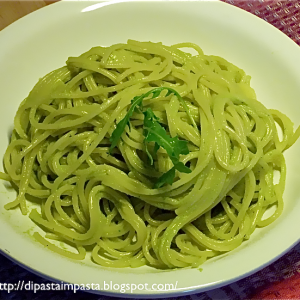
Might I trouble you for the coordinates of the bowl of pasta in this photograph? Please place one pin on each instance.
(149, 148)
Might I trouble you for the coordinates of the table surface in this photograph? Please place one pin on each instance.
(280, 280)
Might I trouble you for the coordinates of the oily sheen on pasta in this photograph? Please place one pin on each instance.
(105, 199)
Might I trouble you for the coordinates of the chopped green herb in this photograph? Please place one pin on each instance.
(156, 133)
(167, 177)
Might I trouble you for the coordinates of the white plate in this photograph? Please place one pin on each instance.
(42, 41)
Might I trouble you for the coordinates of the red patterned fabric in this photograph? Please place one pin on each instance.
(285, 15)
(286, 289)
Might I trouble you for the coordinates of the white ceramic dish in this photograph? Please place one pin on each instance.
(42, 41)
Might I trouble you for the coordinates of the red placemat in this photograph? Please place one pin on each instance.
(285, 15)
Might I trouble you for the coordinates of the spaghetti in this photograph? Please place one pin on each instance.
(94, 197)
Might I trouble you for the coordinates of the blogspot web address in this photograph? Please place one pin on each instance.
(22, 285)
